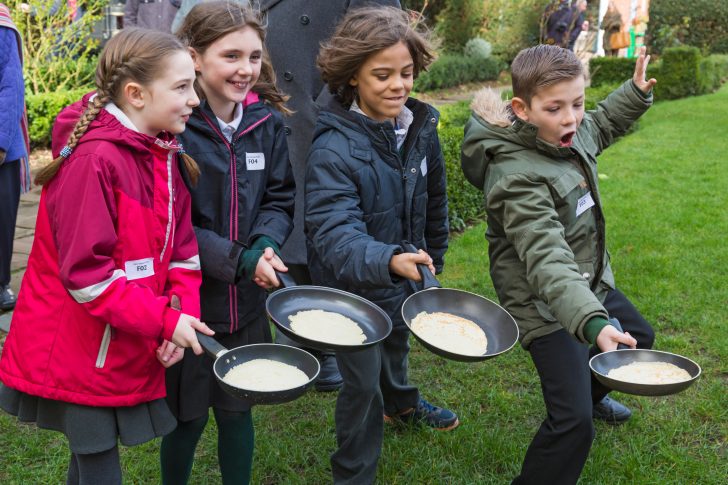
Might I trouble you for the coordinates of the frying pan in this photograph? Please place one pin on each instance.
(283, 303)
(602, 363)
(499, 326)
(225, 359)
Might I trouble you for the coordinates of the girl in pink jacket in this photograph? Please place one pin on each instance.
(112, 284)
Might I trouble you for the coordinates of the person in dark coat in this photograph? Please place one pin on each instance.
(296, 29)
(151, 14)
(14, 146)
(375, 177)
(562, 22)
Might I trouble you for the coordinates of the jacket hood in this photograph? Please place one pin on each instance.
(493, 130)
(105, 127)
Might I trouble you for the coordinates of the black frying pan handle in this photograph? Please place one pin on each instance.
(615, 323)
(211, 346)
(286, 279)
(428, 279)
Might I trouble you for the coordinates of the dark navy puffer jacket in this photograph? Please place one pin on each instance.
(246, 190)
(363, 198)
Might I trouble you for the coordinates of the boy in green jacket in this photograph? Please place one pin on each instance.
(535, 160)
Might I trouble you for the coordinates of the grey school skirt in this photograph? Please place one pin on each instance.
(91, 429)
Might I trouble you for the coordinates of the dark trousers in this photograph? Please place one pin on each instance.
(375, 382)
(560, 448)
(9, 201)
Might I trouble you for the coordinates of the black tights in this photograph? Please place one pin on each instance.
(235, 442)
(95, 468)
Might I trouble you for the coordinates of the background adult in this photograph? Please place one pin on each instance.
(296, 29)
(611, 24)
(151, 14)
(14, 146)
(562, 22)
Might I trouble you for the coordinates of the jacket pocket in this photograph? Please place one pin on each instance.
(104, 347)
(569, 187)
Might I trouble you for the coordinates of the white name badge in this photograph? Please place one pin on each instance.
(423, 166)
(585, 202)
(255, 161)
(140, 268)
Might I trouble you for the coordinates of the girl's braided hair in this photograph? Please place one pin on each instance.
(210, 21)
(132, 55)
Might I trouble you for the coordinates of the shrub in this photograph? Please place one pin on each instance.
(478, 48)
(700, 23)
(451, 70)
(595, 94)
(610, 70)
(458, 22)
(465, 202)
(713, 71)
(679, 74)
(42, 111)
(511, 25)
(59, 53)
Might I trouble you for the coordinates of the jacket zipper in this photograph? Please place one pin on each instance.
(599, 221)
(170, 212)
(232, 289)
(104, 347)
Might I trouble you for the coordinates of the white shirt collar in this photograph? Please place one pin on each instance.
(229, 128)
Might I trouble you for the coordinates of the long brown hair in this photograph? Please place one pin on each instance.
(362, 33)
(131, 55)
(209, 21)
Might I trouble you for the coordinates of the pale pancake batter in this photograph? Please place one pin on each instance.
(450, 332)
(265, 375)
(649, 373)
(328, 327)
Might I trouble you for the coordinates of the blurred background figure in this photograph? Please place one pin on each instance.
(151, 14)
(611, 24)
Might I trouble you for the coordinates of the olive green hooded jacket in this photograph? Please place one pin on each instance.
(546, 233)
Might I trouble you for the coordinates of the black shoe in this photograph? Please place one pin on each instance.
(7, 298)
(611, 411)
(329, 378)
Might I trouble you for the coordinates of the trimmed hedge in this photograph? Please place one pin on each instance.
(454, 69)
(684, 72)
(700, 23)
(465, 202)
(42, 111)
(616, 70)
(610, 70)
(681, 72)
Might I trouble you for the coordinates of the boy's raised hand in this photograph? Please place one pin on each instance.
(405, 264)
(640, 72)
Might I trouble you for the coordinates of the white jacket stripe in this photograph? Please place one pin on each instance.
(192, 264)
(85, 295)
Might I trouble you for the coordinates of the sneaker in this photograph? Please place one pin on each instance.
(435, 417)
(329, 378)
(7, 298)
(611, 411)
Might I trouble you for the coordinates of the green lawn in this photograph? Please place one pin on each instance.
(665, 195)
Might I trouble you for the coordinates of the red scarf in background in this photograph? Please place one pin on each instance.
(7, 21)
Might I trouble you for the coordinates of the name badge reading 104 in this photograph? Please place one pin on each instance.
(585, 202)
(139, 268)
(255, 161)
